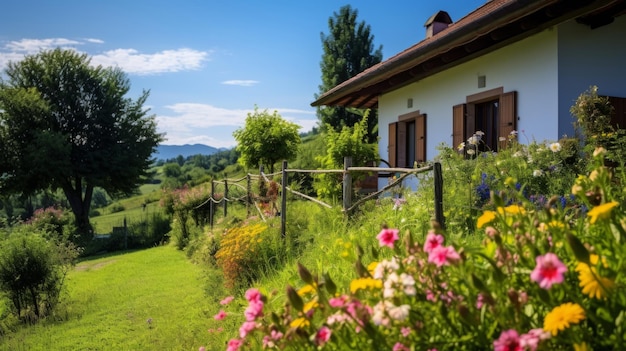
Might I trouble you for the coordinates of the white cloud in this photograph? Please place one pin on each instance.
(133, 62)
(243, 83)
(94, 40)
(31, 46)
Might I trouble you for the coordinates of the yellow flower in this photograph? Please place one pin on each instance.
(562, 316)
(602, 211)
(307, 289)
(512, 209)
(486, 218)
(593, 285)
(581, 347)
(365, 283)
(372, 267)
(300, 323)
(310, 305)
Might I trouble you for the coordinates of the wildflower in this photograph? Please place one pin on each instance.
(399, 313)
(322, 336)
(372, 267)
(338, 302)
(254, 310)
(537, 173)
(433, 241)
(387, 237)
(365, 283)
(512, 209)
(474, 139)
(508, 341)
(227, 300)
(471, 152)
(549, 270)
(581, 347)
(513, 133)
(202, 348)
(530, 341)
(299, 323)
(400, 347)
(443, 255)
(234, 344)
(501, 139)
(253, 294)
(602, 211)
(555, 147)
(220, 315)
(310, 305)
(461, 146)
(486, 218)
(307, 289)
(562, 316)
(480, 133)
(246, 328)
(599, 151)
(593, 284)
(405, 331)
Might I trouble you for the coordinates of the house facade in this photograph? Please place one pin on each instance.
(508, 65)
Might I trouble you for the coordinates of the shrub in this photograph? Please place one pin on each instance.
(32, 270)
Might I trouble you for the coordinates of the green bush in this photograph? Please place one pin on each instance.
(32, 270)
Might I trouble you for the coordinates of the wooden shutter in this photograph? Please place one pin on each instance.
(420, 139)
(392, 145)
(458, 124)
(618, 119)
(508, 114)
(401, 145)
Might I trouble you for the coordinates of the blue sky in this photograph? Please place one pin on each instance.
(207, 63)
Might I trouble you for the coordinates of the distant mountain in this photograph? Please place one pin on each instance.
(166, 152)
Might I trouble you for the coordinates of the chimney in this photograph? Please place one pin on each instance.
(436, 23)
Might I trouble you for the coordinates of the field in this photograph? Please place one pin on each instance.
(145, 300)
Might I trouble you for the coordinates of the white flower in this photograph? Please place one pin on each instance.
(555, 147)
(502, 138)
(471, 152)
(537, 173)
(599, 151)
(461, 146)
(518, 154)
(480, 133)
(474, 139)
(513, 133)
(399, 313)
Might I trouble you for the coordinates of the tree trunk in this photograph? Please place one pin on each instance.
(80, 207)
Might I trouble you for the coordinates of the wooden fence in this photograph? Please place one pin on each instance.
(347, 205)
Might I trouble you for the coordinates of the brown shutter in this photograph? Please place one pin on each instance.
(458, 124)
(401, 145)
(391, 147)
(508, 114)
(420, 139)
(618, 119)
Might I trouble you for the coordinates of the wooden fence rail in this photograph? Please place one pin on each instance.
(348, 206)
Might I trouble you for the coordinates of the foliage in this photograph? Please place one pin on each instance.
(54, 222)
(32, 271)
(351, 141)
(348, 50)
(188, 206)
(266, 139)
(68, 125)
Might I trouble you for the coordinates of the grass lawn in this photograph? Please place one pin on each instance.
(144, 300)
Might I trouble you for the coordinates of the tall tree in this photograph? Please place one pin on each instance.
(65, 124)
(348, 50)
(266, 139)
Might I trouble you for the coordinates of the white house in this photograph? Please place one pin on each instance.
(508, 65)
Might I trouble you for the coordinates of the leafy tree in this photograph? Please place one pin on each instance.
(348, 50)
(65, 124)
(266, 138)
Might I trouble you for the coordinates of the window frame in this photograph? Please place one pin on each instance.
(398, 145)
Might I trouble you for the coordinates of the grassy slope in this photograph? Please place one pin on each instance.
(111, 298)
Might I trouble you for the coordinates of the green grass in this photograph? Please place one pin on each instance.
(104, 224)
(111, 298)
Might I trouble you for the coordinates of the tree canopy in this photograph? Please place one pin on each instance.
(66, 124)
(266, 139)
(348, 50)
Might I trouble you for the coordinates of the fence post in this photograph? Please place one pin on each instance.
(439, 195)
(283, 203)
(249, 195)
(225, 197)
(211, 203)
(347, 183)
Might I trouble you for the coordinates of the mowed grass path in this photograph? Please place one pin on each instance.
(144, 300)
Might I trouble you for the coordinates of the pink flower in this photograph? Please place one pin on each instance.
(549, 270)
(322, 336)
(234, 344)
(530, 341)
(433, 241)
(443, 255)
(338, 302)
(246, 328)
(405, 331)
(220, 315)
(253, 295)
(508, 341)
(400, 347)
(227, 300)
(201, 348)
(387, 237)
(254, 310)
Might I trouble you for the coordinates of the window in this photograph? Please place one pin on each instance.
(493, 112)
(407, 140)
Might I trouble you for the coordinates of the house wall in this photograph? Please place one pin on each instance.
(589, 57)
(528, 67)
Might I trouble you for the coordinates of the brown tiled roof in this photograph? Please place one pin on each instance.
(495, 24)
